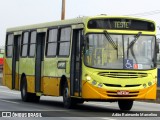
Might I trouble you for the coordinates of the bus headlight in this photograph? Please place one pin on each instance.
(88, 78)
(100, 85)
(94, 82)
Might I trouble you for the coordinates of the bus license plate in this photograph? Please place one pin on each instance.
(120, 92)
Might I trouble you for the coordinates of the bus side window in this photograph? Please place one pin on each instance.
(32, 44)
(64, 43)
(24, 44)
(9, 45)
(51, 49)
(158, 53)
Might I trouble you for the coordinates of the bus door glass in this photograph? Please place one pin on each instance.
(76, 66)
(158, 60)
(38, 61)
(15, 62)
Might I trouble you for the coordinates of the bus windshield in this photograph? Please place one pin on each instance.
(101, 52)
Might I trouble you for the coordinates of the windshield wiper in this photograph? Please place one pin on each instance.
(131, 45)
(135, 39)
(110, 39)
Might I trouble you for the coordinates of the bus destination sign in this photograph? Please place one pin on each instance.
(121, 24)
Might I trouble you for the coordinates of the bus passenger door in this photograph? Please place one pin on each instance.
(76, 64)
(15, 62)
(38, 61)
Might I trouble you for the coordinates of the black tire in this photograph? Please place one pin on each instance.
(79, 101)
(125, 104)
(34, 98)
(25, 96)
(67, 100)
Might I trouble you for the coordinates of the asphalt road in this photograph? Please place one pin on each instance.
(52, 108)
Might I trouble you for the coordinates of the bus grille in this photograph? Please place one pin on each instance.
(116, 85)
(123, 74)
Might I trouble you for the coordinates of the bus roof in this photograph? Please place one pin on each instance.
(68, 22)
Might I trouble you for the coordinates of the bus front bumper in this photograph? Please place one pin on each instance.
(92, 92)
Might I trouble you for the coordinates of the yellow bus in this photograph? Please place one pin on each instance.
(99, 58)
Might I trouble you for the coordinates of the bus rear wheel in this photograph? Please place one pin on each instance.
(125, 104)
(25, 96)
(34, 97)
(79, 101)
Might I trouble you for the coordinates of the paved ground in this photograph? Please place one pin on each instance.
(52, 108)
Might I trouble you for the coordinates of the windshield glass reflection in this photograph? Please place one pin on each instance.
(99, 52)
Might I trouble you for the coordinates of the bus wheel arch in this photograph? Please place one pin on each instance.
(64, 91)
(26, 96)
(63, 81)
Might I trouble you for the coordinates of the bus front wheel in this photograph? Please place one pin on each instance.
(67, 100)
(125, 104)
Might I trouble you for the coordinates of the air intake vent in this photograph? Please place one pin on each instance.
(116, 85)
(123, 74)
(112, 85)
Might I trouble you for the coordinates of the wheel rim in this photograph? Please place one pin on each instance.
(66, 94)
(23, 90)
